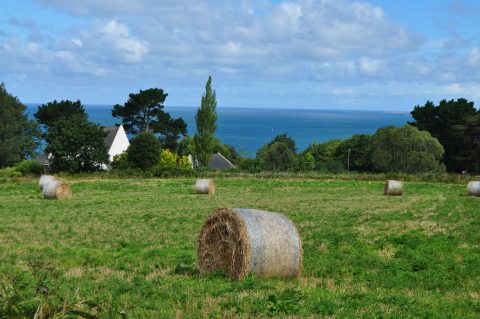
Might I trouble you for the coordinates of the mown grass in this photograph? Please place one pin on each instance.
(126, 249)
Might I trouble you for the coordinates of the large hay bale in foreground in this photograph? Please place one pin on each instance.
(57, 190)
(241, 241)
(204, 186)
(393, 188)
(473, 188)
(44, 179)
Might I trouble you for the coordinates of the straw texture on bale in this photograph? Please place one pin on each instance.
(473, 188)
(44, 179)
(57, 190)
(204, 186)
(241, 241)
(393, 188)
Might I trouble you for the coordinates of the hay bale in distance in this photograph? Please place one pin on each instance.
(44, 179)
(205, 186)
(393, 188)
(473, 188)
(241, 241)
(57, 190)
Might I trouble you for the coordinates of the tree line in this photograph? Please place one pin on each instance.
(443, 137)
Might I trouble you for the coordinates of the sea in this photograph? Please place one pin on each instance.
(247, 129)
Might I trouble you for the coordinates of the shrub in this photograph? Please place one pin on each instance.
(251, 165)
(120, 161)
(406, 149)
(29, 167)
(169, 159)
(306, 162)
(331, 166)
(361, 149)
(323, 152)
(278, 156)
(144, 150)
(9, 172)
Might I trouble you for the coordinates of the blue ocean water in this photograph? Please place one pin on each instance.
(248, 129)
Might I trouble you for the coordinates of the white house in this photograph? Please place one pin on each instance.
(116, 142)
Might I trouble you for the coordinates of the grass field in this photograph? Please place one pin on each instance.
(126, 249)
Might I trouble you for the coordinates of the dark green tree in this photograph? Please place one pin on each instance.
(306, 161)
(287, 140)
(442, 121)
(171, 130)
(186, 146)
(143, 112)
(361, 150)
(144, 150)
(278, 156)
(206, 120)
(406, 150)
(471, 132)
(76, 145)
(323, 152)
(18, 135)
(50, 113)
(228, 151)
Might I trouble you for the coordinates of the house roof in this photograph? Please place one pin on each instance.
(217, 161)
(112, 132)
(43, 159)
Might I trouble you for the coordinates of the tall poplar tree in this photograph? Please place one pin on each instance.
(206, 120)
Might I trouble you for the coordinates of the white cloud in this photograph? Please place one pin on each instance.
(474, 56)
(77, 42)
(152, 42)
(118, 35)
(370, 66)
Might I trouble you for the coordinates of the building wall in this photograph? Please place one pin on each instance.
(120, 143)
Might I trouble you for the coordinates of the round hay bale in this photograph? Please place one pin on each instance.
(241, 241)
(393, 188)
(473, 188)
(205, 186)
(57, 190)
(44, 179)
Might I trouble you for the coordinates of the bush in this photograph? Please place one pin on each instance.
(278, 156)
(361, 149)
(169, 159)
(323, 152)
(9, 172)
(406, 149)
(331, 166)
(306, 162)
(29, 167)
(250, 165)
(144, 150)
(120, 161)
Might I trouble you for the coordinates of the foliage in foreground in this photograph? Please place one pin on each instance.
(110, 253)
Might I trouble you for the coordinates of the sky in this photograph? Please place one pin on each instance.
(383, 55)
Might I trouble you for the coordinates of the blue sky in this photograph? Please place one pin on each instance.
(328, 54)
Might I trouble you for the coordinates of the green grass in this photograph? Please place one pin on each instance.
(126, 249)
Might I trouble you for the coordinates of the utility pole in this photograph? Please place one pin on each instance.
(348, 160)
